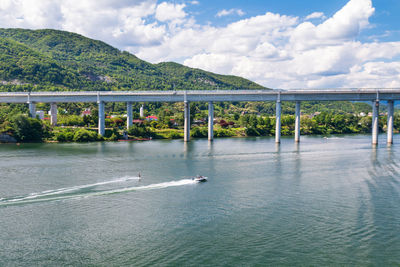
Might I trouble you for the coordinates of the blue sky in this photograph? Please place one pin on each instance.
(279, 44)
(385, 18)
(256, 7)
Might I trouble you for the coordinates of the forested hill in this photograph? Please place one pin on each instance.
(58, 60)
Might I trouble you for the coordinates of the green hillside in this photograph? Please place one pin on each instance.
(21, 64)
(58, 60)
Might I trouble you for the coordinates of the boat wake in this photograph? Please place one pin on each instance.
(89, 190)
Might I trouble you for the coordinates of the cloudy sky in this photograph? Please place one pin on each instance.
(279, 44)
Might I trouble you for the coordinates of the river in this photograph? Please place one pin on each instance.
(327, 201)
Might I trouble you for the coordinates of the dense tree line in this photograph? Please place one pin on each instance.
(232, 119)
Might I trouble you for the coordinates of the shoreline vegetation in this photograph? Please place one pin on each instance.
(231, 120)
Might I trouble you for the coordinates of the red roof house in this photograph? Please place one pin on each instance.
(152, 118)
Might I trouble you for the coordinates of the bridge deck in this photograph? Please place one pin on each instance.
(206, 96)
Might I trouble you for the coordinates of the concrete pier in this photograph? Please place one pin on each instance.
(141, 111)
(390, 107)
(186, 130)
(129, 115)
(210, 121)
(32, 109)
(375, 122)
(278, 122)
(101, 126)
(53, 114)
(297, 123)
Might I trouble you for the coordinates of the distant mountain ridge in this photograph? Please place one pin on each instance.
(59, 60)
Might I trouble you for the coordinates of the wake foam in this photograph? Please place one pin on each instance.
(75, 191)
(66, 190)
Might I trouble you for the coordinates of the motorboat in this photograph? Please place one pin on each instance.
(199, 178)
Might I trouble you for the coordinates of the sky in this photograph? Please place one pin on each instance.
(285, 44)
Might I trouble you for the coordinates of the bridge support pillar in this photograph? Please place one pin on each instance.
(141, 111)
(186, 130)
(390, 122)
(278, 122)
(129, 115)
(53, 114)
(297, 123)
(375, 122)
(210, 121)
(101, 118)
(32, 109)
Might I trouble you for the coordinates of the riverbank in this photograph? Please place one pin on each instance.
(84, 129)
(90, 135)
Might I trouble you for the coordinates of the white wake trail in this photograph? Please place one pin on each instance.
(58, 194)
(66, 190)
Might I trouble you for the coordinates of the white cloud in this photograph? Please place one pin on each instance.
(29, 14)
(347, 22)
(275, 50)
(315, 15)
(168, 11)
(301, 54)
(345, 25)
(233, 11)
(239, 38)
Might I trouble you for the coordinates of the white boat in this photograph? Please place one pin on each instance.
(200, 178)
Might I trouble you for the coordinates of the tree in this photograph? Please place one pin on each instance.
(27, 129)
(199, 132)
(83, 135)
(139, 131)
(251, 131)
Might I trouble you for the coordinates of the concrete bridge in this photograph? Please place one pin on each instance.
(372, 95)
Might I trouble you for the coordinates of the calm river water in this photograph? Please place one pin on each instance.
(328, 201)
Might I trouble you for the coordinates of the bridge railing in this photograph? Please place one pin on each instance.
(217, 92)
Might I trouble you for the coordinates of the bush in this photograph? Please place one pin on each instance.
(71, 120)
(6, 127)
(223, 133)
(140, 131)
(113, 137)
(263, 130)
(118, 122)
(83, 135)
(110, 132)
(250, 131)
(64, 136)
(285, 130)
(26, 129)
(199, 132)
(60, 137)
(174, 135)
